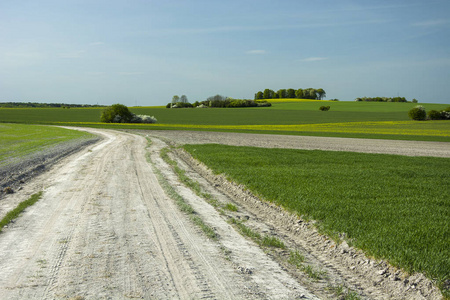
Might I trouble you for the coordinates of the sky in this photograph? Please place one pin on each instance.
(143, 52)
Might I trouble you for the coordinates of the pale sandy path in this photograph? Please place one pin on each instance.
(105, 229)
(409, 148)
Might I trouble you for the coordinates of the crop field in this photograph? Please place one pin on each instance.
(18, 140)
(393, 207)
(295, 117)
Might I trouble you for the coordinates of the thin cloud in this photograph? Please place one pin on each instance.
(210, 30)
(130, 73)
(96, 44)
(256, 52)
(73, 54)
(314, 59)
(432, 23)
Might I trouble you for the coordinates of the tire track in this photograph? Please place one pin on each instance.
(106, 229)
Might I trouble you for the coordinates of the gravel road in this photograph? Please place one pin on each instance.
(105, 229)
(408, 148)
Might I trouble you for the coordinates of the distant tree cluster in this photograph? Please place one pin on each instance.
(384, 99)
(43, 105)
(219, 101)
(119, 113)
(182, 99)
(309, 93)
(179, 102)
(418, 113)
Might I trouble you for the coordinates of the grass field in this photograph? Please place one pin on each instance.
(18, 140)
(393, 207)
(296, 117)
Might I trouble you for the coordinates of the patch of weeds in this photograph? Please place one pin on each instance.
(206, 229)
(193, 185)
(296, 259)
(343, 292)
(271, 241)
(246, 231)
(230, 207)
(20, 208)
(226, 252)
(312, 273)
(149, 141)
(265, 241)
(181, 203)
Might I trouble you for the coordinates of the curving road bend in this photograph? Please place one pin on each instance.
(397, 147)
(105, 229)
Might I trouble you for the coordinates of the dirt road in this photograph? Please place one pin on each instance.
(398, 147)
(105, 229)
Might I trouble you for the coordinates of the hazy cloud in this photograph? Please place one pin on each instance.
(314, 59)
(130, 73)
(257, 52)
(96, 44)
(258, 28)
(72, 54)
(432, 23)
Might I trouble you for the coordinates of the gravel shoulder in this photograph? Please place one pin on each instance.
(18, 172)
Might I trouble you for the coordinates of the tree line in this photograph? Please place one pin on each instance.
(41, 105)
(309, 93)
(384, 99)
(216, 101)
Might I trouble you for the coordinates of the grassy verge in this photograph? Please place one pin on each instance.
(19, 209)
(182, 204)
(393, 207)
(18, 140)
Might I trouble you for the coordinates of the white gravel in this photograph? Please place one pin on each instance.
(408, 148)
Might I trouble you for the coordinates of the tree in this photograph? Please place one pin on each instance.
(259, 95)
(321, 93)
(312, 94)
(268, 94)
(418, 113)
(175, 99)
(299, 94)
(290, 93)
(117, 113)
(281, 93)
(184, 99)
(217, 98)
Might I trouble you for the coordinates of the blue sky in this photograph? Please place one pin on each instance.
(140, 52)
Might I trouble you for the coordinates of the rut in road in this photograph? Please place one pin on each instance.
(105, 229)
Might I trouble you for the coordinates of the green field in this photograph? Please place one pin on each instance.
(306, 112)
(345, 119)
(394, 207)
(19, 140)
